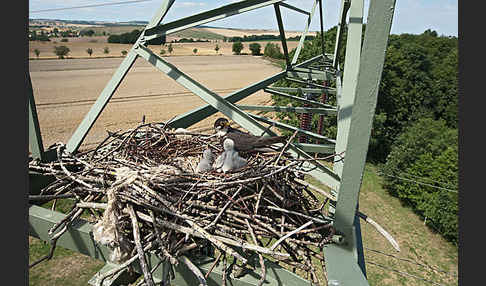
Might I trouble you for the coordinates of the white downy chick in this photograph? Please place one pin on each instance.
(232, 159)
(206, 162)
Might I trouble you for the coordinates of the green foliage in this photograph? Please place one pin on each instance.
(106, 50)
(37, 52)
(61, 51)
(64, 40)
(131, 38)
(273, 51)
(427, 152)
(170, 48)
(216, 48)
(124, 53)
(194, 51)
(419, 78)
(86, 32)
(255, 49)
(89, 51)
(237, 47)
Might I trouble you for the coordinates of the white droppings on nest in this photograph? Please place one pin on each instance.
(181, 133)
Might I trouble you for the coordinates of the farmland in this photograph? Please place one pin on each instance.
(64, 91)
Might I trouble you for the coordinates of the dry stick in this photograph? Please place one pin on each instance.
(200, 232)
(302, 215)
(141, 254)
(59, 156)
(213, 265)
(290, 233)
(165, 252)
(194, 269)
(285, 147)
(224, 269)
(378, 227)
(259, 197)
(120, 267)
(230, 201)
(56, 237)
(260, 257)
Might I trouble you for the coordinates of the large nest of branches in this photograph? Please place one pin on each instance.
(141, 192)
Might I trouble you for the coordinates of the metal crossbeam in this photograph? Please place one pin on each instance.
(206, 17)
(292, 128)
(300, 90)
(297, 98)
(282, 34)
(35, 138)
(302, 37)
(283, 4)
(192, 117)
(274, 108)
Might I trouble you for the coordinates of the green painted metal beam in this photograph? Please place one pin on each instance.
(298, 49)
(213, 99)
(88, 121)
(282, 34)
(321, 18)
(192, 117)
(206, 17)
(79, 238)
(292, 128)
(301, 90)
(297, 98)
(308, 76)
(340, 27)
(35, 138)
(372, 58)
(80, 133)
(316, 148)
(283, 4)
(269, 108)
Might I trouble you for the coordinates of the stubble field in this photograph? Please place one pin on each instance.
(65, 90)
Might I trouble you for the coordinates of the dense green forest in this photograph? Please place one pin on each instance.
(414, 137)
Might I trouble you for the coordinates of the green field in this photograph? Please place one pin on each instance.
(424, 254)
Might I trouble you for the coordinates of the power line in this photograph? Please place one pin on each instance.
(88, 6)
(411, 261)
(420, 183)
(424, 178)
(404, 273)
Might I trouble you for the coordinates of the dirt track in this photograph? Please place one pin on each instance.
(65, 90)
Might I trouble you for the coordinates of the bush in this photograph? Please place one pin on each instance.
(106, 50)
(273, 51)
(61, 51)
(64, 40)
(426, 152)
(237, 47)
(255, 49)
(89, 51)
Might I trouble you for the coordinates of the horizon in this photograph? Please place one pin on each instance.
(410, 17)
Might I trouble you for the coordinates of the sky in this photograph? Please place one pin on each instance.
(411, 16)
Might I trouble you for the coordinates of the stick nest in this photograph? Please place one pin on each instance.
(139, 189)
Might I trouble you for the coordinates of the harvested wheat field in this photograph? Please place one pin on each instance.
(78, 47)
(65, 90)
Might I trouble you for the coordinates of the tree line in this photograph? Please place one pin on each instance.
(414, 138)
(254, 38)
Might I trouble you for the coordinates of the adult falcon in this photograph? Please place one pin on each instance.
(243, 141)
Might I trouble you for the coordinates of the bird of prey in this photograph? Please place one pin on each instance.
(243, 141)
(206, 162)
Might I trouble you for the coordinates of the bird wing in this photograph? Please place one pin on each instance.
(242, 141)
(219, 161)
